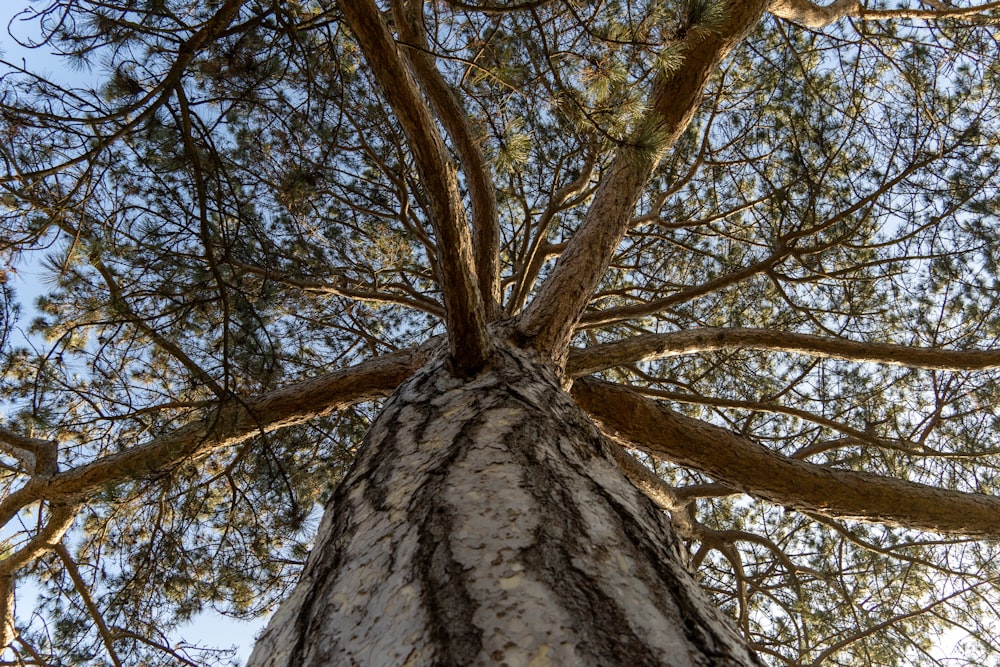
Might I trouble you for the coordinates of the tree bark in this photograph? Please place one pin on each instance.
(485, 522)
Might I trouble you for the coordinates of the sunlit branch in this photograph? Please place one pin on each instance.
(464, 305)
(60, 518)
(940, 11)
(812, 15)
(645, 480)
(37, 457)
(649, 347)
(7, 629)
(857, 437)
(738, 461)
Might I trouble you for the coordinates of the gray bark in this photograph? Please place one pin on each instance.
(485, 522)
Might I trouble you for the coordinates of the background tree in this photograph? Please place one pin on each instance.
(756, 238)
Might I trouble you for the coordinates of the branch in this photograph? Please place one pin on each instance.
(941, 11)
(464, 306)
(535, 256)
(551, 318)
(445, 102)
(152, 100)
(758, 471)
(88, 601)
(224, 426)
(810, 15)
(342, 288)
(60, 518)
(37, 457)
(7, 629)
(709, 339)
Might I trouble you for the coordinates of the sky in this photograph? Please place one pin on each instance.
(209, 629)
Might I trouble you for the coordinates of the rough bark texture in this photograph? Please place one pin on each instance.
(485, 522)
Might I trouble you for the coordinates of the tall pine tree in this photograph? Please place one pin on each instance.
(641, 333)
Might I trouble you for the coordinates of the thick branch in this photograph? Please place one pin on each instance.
(971, 14)
(225, 426)
(659, 346)
(58, 522)
(811, 15)
(444, 100)
(465, 310)
(550, 319)
(758, 471)
(37, 457)
(7, 630)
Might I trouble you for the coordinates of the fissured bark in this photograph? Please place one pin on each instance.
(485, 523)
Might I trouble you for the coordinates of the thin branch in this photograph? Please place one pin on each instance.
(81, 587)
(342, 289)
(142, 324)
(758, 471)
(534, 259)
(889, 622)
(153, 99)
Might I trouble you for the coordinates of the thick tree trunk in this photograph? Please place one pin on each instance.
(485, 522)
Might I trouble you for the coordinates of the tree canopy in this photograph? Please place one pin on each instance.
(758, 239)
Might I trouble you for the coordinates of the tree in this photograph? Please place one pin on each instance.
(625, 295)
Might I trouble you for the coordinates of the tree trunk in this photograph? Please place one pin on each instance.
(485, 522)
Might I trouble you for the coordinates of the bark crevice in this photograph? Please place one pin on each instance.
(485, 522)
